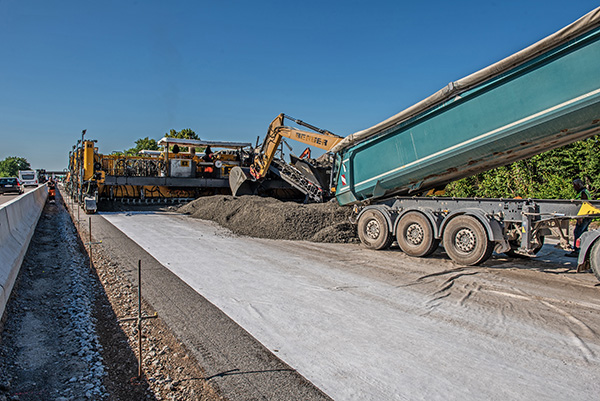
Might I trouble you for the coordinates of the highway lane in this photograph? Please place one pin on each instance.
(5, 198)
(361, 324)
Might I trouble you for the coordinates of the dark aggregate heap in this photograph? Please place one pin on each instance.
(262, 217)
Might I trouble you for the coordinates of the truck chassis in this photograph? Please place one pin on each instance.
(469, 229)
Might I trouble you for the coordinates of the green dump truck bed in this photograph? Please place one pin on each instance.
(543, 97)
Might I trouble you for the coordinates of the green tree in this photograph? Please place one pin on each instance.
(151, 144)
(544, 176)
(10, 166)
(142, 144)
(185, 133)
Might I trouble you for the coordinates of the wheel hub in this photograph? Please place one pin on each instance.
(465, 240)
(372, 229)
(414, 234)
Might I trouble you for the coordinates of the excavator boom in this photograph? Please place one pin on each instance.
(265, 155)
(321, 139)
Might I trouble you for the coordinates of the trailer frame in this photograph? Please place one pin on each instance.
(513, 226)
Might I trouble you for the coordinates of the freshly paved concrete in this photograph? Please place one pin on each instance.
(241, 367)
(372, 325)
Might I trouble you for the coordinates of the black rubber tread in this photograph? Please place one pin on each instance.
(373, 230)
(426, 245)
(595, 259)
(482, 248)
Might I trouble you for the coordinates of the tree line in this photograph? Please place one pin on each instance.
(545, 176)
(10, 166)
(548, 175)
(151, 144)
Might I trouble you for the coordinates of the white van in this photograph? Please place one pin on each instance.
(28, 177)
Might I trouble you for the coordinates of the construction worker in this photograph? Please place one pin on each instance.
(582, 223)
(51, 189)
(208, 158)
(208, 154)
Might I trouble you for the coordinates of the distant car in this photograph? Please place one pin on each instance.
(10, 184)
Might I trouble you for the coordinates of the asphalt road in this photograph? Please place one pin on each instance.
(5, 198)
(363, 324)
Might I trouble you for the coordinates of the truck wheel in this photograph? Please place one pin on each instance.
(595, 259)
(373, 230)
(415, 235)
(466, 241)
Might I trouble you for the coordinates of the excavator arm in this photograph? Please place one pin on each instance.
(243, 181)
(263, 157)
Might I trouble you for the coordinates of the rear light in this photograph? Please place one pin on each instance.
(578, 243)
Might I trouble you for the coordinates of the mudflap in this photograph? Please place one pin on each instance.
(241, 183)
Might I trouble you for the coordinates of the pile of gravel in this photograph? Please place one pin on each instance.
(261, 217)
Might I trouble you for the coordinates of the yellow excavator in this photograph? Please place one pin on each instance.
(267, 172)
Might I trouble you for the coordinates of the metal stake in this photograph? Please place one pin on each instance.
(139, 319)
(91, 243)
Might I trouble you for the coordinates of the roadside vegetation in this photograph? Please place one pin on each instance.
(152, 144)
(545, 176)
(10, 166)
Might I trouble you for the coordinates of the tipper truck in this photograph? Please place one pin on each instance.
(543, 97)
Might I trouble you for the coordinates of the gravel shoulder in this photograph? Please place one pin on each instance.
(60, 336)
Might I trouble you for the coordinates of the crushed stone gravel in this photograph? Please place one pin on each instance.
(61, 338)
(49, 346)
(263, 217)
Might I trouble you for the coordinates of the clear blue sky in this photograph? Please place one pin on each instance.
(125, 69)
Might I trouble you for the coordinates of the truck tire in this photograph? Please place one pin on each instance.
(595, 259)
(373, 230)
(466, 241)
(415, 235)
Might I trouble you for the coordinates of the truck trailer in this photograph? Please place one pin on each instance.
(538, 99)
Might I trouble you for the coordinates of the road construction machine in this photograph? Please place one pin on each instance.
(267, 173)
(182, 171)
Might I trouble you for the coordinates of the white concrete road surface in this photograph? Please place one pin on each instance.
(368, 325)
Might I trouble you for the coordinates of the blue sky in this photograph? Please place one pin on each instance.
(128, 69)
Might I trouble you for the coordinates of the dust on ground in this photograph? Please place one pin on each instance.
(262, 217)
(61, 338)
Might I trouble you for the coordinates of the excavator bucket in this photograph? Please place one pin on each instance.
(241, 183)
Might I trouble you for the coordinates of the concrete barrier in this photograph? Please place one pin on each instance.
(18, 219)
